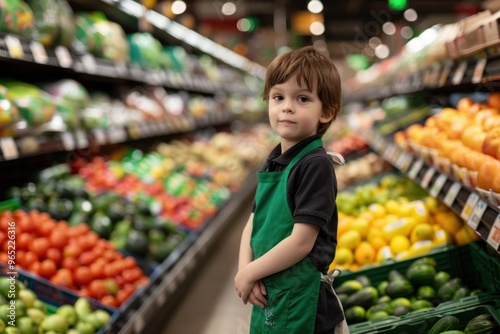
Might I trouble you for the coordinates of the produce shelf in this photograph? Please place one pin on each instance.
(478, 211)
(149, 311)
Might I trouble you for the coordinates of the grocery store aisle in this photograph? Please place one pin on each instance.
(211, 306)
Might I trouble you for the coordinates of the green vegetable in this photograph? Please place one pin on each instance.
(426, 292)
(440, 279)
(444, 324)
(479, 327)
(54, 322)
(448, 290)
(421, 304)
(364, 280)
(365, 298)
(67, 312)
(401, 310)
(399, 288)
(349, 287)
(395, 275)
(421, 274)
(137, 243)
(355, 314)
(82, 307)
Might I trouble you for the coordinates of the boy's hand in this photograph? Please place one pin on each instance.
(243, 284)
(258, 295)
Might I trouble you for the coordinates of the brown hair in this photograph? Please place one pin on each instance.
(315, 70)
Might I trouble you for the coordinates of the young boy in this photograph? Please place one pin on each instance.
(290, 238)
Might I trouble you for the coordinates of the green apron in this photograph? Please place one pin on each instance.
(292, 294)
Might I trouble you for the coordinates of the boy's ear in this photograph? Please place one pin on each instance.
(327, 115)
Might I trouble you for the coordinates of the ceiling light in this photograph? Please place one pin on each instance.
(389, 28)
(317, 28)
(374, 42)
(382, 51)
(243, 24)
(315, 6)
(228, 8)
(410, 15)
(178, 7)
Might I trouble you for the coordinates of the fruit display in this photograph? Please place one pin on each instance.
(390, 221)
(462, 142)
(348, 144)
(32, 315)
(72, 257)
(363, 168)
(423, 286)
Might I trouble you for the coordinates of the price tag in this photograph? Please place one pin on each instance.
(121, 69)
(9, 148)
(477, 214)
(479, 70)
(14, 46)
(39, 52)
(452, 193)
(458, 76)
(117, 135)
(438, 185)
(100, 136)
(406, 162)
(134, 131)
(89, 63)
(63, 56)
(446, 72)
(494, 236)
(68, 141)
(417, 166)
(81, 139)
(469, 206)
(427, 177)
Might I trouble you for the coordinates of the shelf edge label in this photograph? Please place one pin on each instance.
(9, 148)
(438, 185)
(452, 193)
(469, 206)
(477, 214)
(494, 236)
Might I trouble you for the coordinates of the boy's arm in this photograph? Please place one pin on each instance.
(285, 254)
(246, 253)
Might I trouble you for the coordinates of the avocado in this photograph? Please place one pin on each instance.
(101, 224)
(60, 208)
(37, 202)
(137, 243)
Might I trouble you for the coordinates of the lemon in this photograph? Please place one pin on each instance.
(361, 225)
(349, 239)
(393, 207)
(364, 253)
(378, 242)
(399, 243)
(420, 212)
(465, 235)
(384, 254)
(344, 256)
(431, 204)
(377, 210)
(422, 231)
(442, 237)
(448, 221)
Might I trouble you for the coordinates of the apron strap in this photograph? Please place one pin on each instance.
(330, 277)
(337, 158)
(314, 144)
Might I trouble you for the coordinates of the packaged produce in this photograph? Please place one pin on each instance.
(35, 105)
(16, 17)
(8, 110)
(54, 22)
(145, 50)
(71, 97)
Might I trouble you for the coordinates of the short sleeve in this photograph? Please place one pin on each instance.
(313, 189)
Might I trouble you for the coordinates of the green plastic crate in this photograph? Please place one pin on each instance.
(10, 205)
(489, 275)
(423, 325)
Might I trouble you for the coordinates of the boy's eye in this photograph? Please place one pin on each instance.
(277, 97)
(303, 99)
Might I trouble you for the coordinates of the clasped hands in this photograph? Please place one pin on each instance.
(250, 290)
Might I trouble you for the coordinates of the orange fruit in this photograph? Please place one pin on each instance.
(364, 253)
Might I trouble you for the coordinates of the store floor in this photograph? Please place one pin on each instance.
(211, 306)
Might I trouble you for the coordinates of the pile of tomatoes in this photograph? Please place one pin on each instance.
(70, 256)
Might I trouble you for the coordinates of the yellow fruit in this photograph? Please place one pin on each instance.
(399, 243)
(419, 248)
(401, 226)
(419, 212)
(442, 237)
(349, 239)
(364, 253)
(353, 267)
(367, 215)
(431, 203)
(448, 221)
(384, 254)
(378, 224)
(342, 227)
(392, 207)
(377, 210)
(344, 256)
(465, 235)
(378, 242)
(361, 225)
(422, 231)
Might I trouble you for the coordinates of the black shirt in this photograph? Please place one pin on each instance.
(311, 193)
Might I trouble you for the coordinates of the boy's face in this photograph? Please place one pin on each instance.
(294, 112)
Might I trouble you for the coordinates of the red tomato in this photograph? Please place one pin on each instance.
(29, 259)
(72, 250)
(58, 239)
(20, 257)
(35, 268)
(26, 224)
(4, 258)
(97, 270)
(109, 300)
(69, 263)
(130, 262)
(39, 246)
(45, 227)
(122, 296)
(55, 255)
(87, 258)
(132, 275)
(48, 268)
(97, 289)
(24, 240)
(82, 276)
(63, 277)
